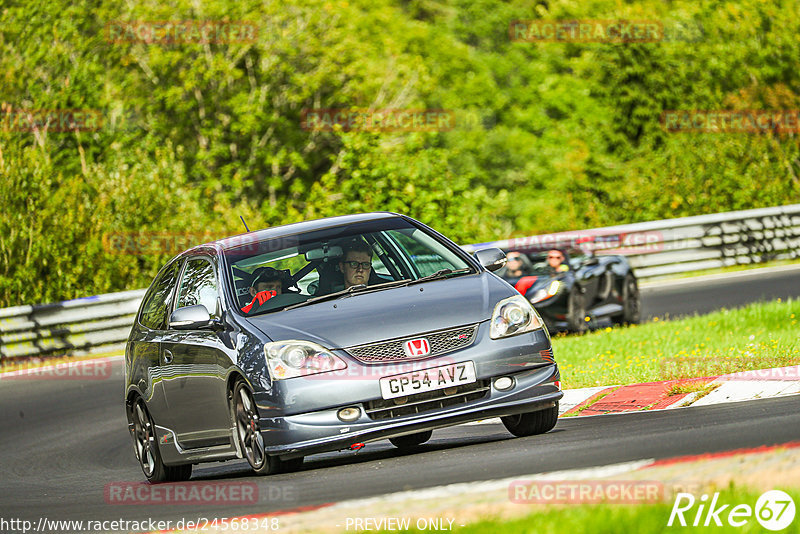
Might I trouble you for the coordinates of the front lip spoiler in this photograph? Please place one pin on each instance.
(429, 422)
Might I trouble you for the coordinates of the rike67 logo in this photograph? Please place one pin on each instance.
(774, 510)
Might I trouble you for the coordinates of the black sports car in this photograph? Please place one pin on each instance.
(573, 290)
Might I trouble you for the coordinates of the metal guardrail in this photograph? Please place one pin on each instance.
(87, 325)
(655, 249)
(660, 248)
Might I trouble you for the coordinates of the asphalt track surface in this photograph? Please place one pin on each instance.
(705, 294)
(63, 441)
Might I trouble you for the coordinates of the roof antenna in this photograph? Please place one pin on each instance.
(245, 224)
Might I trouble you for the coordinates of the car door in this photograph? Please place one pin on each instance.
(194, 364)
(144, 365)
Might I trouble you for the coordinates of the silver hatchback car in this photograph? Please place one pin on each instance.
(325, 335)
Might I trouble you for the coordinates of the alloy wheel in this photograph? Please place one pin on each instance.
(144, 438)
(247, 427)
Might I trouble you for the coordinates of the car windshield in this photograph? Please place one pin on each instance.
(275, 274)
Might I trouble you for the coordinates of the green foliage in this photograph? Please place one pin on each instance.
(549, 136)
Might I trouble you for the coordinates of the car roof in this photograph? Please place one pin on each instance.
(228, 243)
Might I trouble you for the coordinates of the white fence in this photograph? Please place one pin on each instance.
(655, 249)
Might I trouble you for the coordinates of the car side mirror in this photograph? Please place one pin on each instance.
(491, 258)
(191, 318)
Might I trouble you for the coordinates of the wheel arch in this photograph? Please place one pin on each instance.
(130, 399)
(234, 376)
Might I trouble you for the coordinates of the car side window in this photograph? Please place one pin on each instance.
(418, 247)
(157, 301)
(199, 285)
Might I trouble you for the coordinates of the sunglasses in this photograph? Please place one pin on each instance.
(559, 257)
(356, 264)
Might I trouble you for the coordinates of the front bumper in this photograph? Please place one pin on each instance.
(322, 431)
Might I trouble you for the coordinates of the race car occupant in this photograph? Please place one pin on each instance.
(555, 259)
(267, 283)
(356, 263)
(517, 265)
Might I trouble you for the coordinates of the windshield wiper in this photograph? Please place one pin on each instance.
(344, 292)
(442, 273)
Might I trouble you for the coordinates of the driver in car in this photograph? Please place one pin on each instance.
(356, 263)
(517, 265)
(555, 259)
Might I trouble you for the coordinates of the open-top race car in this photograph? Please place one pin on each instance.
(571, 289)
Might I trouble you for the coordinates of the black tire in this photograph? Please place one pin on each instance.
(530, 424)
(248, 432)
(145, 446)
(576, 311)
(631, 302)
(411, 440)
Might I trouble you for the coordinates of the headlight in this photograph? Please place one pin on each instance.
(288, 359)
(544, 294)
(512, 316)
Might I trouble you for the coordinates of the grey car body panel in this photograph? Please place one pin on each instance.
(360, 382)
(390, 313)
(188, 397)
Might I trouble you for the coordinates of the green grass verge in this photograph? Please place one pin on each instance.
(616, 518)
(758, 336)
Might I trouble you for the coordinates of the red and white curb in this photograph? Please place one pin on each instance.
(734, 387)
(751, 385)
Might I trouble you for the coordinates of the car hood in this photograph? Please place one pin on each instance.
(389, 313)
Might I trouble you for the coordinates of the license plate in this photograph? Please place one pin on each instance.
(430, 379)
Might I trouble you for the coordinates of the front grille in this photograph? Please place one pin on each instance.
(422, 402)
(441, 342)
